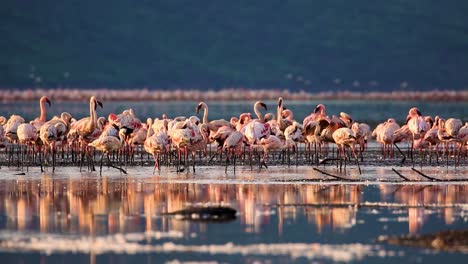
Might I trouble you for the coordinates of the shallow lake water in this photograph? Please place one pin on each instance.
(372, 113)
(282, 217)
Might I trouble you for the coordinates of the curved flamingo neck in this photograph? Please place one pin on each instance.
(205, 113)
(257, 112)
(150, 130)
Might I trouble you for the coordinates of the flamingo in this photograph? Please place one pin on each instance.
(363, 132)
(451, 127)
(232, 145)
(417, 125)
(345, 137)
(386, 136)
(83, 129)
(293, 134)
(312, 130)
(220, 137)
(269, 143)
(107, 144)
(463, 137)
(212, 125)
(39, 121)
(257, 128)
(28, 136)
(11, 127)
(156, 143)
(318, 114)
(431, 137)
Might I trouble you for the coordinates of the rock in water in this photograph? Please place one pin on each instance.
(210, 213)
(452, 240)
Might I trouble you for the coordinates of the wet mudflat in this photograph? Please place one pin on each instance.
(283, 214)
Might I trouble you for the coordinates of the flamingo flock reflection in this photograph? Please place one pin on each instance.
(103, 206)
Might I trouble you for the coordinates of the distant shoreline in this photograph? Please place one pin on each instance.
(234, 94)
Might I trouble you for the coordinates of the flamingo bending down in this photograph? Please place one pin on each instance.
(268, 144)
(345, 137)
(417, 125)
(28, 136)
(107, 144)
(48, 135)
(233, 145)
(363, 132)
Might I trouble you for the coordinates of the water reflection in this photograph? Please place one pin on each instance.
(89, 206)
(418, 198)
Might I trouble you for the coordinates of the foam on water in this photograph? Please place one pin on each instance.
(137, 243)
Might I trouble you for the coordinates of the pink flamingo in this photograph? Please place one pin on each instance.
(39, 121)
(107, 144)
(83, 130)
(156, 144)
(417, 125)
(345, 137)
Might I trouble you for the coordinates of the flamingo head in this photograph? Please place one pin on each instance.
(95, 102)
(280, 102)
(44, 99)
(199, 106)
(414, 112)
(320, 108)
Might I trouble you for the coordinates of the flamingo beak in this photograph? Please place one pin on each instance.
(198, 108)
(99, 103)
(48, 102)
(264, 106)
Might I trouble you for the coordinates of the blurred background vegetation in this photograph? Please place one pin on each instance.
(299, 44)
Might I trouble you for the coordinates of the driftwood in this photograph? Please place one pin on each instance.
(453, 240)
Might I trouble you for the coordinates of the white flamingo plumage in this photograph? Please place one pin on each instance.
(156, 144)
(107, 144)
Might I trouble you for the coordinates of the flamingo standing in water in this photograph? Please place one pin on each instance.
(83, 129)
(363, 132)
(345, 137)
(385, 134)
(257, 128)
(156, 143)
(107, 144)
(27, 136)
(417, 125)
(232, 145)
(269, 143)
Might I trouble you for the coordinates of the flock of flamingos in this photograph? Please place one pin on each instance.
(244, 137)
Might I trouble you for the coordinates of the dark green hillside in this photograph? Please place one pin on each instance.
(196, 44)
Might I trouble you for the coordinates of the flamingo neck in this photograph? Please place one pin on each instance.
(279, 111)
(92, 115)
(205, 114)
(43, 111)
(150, 130)
(258, 113)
